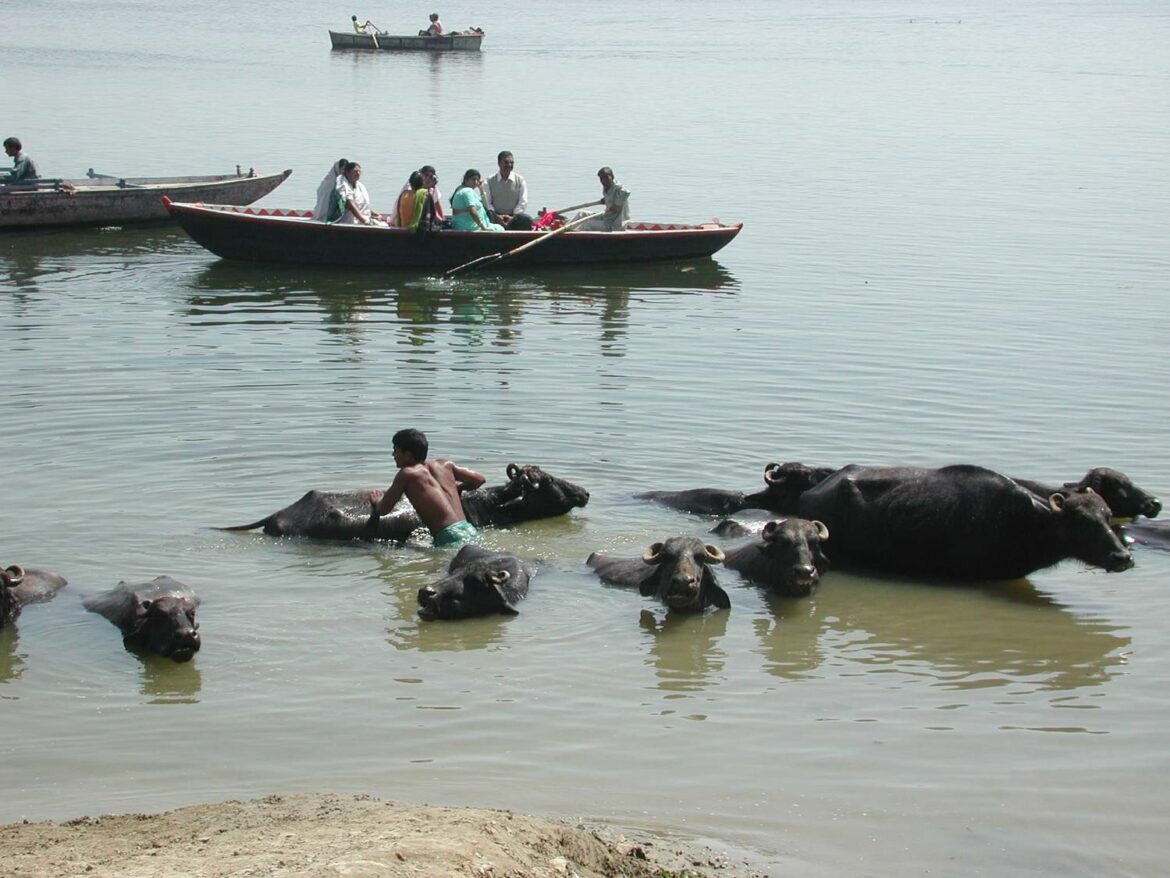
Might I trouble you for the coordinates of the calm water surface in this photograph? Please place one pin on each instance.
(955, 250)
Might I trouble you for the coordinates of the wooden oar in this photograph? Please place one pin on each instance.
(592, 203)
(496, 257)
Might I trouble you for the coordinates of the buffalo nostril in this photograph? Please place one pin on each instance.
(1119, 561)
(806, 571)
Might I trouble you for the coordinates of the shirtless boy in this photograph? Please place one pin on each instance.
(431, 486)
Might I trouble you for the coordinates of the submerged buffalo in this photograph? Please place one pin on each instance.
(530, 493)
(478, 583)
(158, 615)
(783, 485)
(677, 571)
(961, 522)
(20, 587)
(787, 558)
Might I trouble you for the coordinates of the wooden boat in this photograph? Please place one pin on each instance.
(456, 41)
(105, 200)
(294, 237)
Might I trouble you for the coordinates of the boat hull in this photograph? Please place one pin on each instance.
(279, 236)
(404, 43)
(127, 200)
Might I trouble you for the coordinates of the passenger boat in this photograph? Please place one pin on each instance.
(294, 237)
(456, 41)
(100, 199)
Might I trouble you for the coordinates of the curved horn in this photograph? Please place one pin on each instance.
(1056, 502)
(13, 575)
(498, 577)
(512, 471)
(652, 554)
(822, 529)
(770, 472)
(770, 528)
(714, 554)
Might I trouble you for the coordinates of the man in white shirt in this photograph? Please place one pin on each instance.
(506, 195)
(616, 199)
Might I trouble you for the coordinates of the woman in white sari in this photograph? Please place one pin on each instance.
(327, 191)
(355, 199)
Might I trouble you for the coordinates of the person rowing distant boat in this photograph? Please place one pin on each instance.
(24, 169)
(435, 29)
(368, 28)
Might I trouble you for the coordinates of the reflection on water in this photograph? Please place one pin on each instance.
(167, 682)
(11, 661)
(954, 636)
(684, 648)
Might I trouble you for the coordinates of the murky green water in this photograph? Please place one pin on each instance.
(954, 251)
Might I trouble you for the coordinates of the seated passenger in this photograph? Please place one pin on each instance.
(468, 213)
(507, 195)
(24, 170)
(412, 203)
(352, 193)
(435, 29)
(327, 209)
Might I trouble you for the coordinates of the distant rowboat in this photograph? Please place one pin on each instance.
(105, 200)
(460, 41)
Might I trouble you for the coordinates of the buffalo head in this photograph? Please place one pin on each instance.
(785, 482)
(532, 493)
(166, 625)
(478, 583)
(791, 551)
(1121, 495)
(1084, 523)
(10, 578)
(682, 578)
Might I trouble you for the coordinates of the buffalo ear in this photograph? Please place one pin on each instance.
(770, 528)
(713, 592)
(648, 587)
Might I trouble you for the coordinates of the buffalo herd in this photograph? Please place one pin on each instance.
(953, 523)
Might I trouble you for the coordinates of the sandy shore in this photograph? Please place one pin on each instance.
(330, 835)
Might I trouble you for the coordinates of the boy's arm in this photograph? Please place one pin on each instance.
(382, 502)
(467, 479)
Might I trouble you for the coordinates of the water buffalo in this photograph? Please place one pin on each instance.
(783, 485)
(20, 587)
(962, 522)
(787, 558)
(1121, 495)
(158, 615)
(677, 571)
(529, 493)
(478, 583)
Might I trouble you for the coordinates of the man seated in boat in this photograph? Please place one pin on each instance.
(507, 195)
(368, 28)
(24, 169)
(435, 29)
(616, 199)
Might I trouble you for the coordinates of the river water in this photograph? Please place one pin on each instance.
(955, 250)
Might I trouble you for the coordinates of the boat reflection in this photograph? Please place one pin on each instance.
(961, 637)
(684, 648)
(482, 309)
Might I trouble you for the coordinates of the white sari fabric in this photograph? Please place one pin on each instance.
(326, 193)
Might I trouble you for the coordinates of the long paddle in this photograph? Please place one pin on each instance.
(496, 257)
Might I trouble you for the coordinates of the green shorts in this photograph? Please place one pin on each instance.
(454, 534)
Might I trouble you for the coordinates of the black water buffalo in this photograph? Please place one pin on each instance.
(787, 558)
(1121, 495)
(677, 571)
(529, 493)
(961, 522)
(158, 615)
(478, 583)
(20, 587)
(783, 485)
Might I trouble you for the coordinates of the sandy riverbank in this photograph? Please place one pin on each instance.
(332, 835)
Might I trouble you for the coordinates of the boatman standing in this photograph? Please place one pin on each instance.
(24, 170)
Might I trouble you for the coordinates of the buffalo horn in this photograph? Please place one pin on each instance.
(651, 555)
(714, 554)
(13, 575)
(822, 530)
(498, 577)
